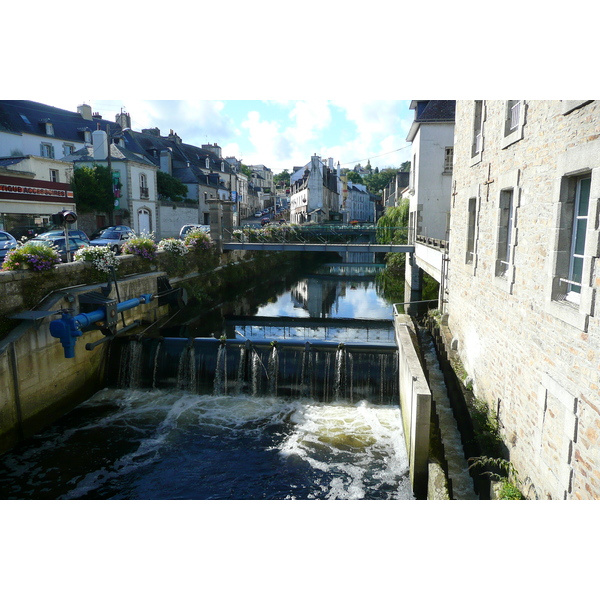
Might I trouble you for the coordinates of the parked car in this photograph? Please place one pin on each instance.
(99, 232)
(7, 242)
(265, 221)
(72, 233)
(59, 244)
(113, 239)
(258, 214)
(187, 228)
(26, 231)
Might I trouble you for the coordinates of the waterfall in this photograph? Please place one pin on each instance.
(186, 371)
(220, 385)
(273, 370)
(130, 372)
(339, 385)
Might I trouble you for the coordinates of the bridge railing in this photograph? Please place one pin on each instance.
(319, 234)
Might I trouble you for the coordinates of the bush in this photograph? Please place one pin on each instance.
(174, 246)
(101, 257)
(141, 244)
(37, 257)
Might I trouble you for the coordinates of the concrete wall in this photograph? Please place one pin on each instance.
(37, 383)
(533, 356)
(415, 404)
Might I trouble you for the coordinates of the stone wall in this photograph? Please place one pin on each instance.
(533, 355)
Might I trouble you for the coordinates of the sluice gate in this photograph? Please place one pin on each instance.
(323, 371)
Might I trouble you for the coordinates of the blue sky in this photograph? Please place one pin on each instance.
(280, 134)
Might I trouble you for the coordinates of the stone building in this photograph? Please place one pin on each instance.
(523, 282)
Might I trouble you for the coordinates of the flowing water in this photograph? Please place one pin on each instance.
(262, 430)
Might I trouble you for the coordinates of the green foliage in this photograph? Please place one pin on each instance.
(170, 187)
(376, 182)
(33, 256)
(503, 471)
(282, 178)
(93, 189)
(354, 177)
(392, 226)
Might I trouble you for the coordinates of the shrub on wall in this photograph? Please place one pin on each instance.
(33, 256)
(141, 244)
(102, 258)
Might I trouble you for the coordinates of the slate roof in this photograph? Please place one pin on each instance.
(117, 153)
(25, 116)
(431, 111)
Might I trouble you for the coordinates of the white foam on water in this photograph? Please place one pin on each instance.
(358, 447)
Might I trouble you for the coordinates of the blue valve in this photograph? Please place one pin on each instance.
(68, 328)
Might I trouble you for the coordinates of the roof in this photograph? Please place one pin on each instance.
(116, 153)
(431, 111)
(27, 117)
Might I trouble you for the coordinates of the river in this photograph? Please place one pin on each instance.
(168, 439)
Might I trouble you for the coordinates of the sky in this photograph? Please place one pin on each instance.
(279, 134)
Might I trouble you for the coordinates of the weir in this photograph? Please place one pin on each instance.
(324, 371)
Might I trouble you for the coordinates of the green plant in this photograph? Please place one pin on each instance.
(28, 255)
(504, 472)
(141, 244)
(173, 245)
(196, 239)
(101, 257)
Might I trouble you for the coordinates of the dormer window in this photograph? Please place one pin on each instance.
(222, 166)
(207, 162)
(49, 129)
(87, 136)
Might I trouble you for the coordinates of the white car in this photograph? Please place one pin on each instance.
(7, 242)
(113, 239)
(258, 214)
(187, 228)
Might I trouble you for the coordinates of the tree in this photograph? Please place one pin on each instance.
(93, 189)
(354, 177)
(378, 181)
(170, 187)
(282, 179)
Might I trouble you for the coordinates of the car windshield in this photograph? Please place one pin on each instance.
(110, 235)
(4, 237)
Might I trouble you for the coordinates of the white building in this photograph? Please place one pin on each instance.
(432, 138)
(315, 192)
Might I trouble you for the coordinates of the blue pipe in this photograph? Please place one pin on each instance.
(68, 328)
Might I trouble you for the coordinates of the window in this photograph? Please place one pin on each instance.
(505, 231)
(572, 240)
(477, 144)
(144, 192)
(448, 158)
(514, 121)
(576, 240)
(49, 129)
(68, 149)
(47, 150)
(207, 163)
(54, 175)
(470, 254)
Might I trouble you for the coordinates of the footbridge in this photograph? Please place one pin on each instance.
(318, 238)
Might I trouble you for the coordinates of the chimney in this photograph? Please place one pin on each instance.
(166, 164)
(85, 110)
(100, 144)
(330, 164)
(124, 120)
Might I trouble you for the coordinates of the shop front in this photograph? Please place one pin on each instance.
(27, 205)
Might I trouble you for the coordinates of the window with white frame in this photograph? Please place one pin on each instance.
(49, 129)
(68, 149)
(477, 143)
(207, 163)
(505, 232)
(575, 244)
(572, 237)
(54, 175)
(514, 121)
(470, 253)
(144, 193)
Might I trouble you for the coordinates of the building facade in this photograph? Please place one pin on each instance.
(315, 192)
(432, 138)
(523, 282)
